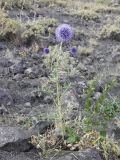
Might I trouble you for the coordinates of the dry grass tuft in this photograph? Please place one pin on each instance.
(111, 31)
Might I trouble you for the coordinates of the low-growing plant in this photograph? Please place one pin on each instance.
(52, 3)
(39, 29)
(86, 50)
(22, 4)
(101, 111)
(110, 147)
(86, 14)
(9, 27)
(111, 31)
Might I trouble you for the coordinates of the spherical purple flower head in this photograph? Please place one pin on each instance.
(46, 50)
(64, 33)
(73, 51)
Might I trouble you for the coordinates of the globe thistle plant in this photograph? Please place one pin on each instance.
(64, 33)
(58, 63)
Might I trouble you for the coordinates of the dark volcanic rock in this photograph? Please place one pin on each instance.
(3, 110)
(32, 72)
(18, 156)
(88, 154)
(41, 127)
(16, 139)
(18, 68)
(4, 62)
(5, 98)
(116, 58)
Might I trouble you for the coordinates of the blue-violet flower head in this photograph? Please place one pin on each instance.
(73, 51)
(46, 50)
(64, 33)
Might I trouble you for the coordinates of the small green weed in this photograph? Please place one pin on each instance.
(99, 113)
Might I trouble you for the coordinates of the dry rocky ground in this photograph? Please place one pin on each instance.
(23, 26)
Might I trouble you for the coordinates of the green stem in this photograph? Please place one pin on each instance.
(59, 107)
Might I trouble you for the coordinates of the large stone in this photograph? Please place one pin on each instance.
(16, 139)
(88, 154)
(41, 127)
(18, 67)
